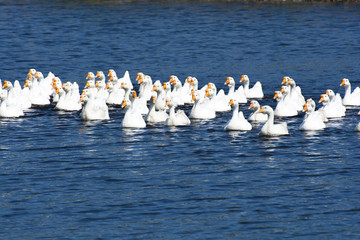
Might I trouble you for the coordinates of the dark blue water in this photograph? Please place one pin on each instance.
(61, 178)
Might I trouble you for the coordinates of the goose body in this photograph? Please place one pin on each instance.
(269, 128)
(93, 109)
(238, 121)
(132, 118)
(350, 98)
(9, 111)
(312, 120)
(202, 108)
(331, 109)
(177, 118)
(285, 106)
(69, 99)
(256, 116)
(254, 92)
(155, 116)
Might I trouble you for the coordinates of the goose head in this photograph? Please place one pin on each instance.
(244, 78)
(209, 93)
(126, 103)
(345, 82)
(254, 105)
(112, 75)
(90, 76)
(229, 81)
(330, 93)
(39, 75)
(140, 77)
(266, 109)
(278, 95)
(157, 86)
(308, 108)
(167, 86)
(100, 75)
(285, 80)
(311, 102)
(32, 73)
(285, 90)
(7, 85)
(324, 98)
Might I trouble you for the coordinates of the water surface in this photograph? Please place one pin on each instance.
(62, 178)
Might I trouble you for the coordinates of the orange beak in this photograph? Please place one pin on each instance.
(242, 78)
(276, 95)
(124, 104)
(207, 93)
(284, 80)
(342, 82)
(251, 105)
(227, 81)
(305, 107)
(231, 102)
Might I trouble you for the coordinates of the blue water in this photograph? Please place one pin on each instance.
(61, 178)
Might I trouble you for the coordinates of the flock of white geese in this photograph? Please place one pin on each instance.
(156, 102)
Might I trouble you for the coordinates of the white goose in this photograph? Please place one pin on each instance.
(67, 101)
(202, 108)
(56, 83)
(254, 92)
(177, 118)
(9, 111)
(146, 85)
(155, 116)
(45, 83)
(285, 106)
(132, 118)
(37, 95)
(101, 76)
(331, 108)
(13, 95)
(160, 103)
(313, 120)
(269, 128)
(92, 108)
(320, 110)
(256, 116)
(238, 121)
(177, 92)
(116, 94)
(350, 98)
(295, 96)
(186, 91)
(239, 94)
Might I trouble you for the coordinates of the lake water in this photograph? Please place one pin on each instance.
(62, 178)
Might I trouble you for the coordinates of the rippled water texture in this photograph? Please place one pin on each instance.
(62, 178)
